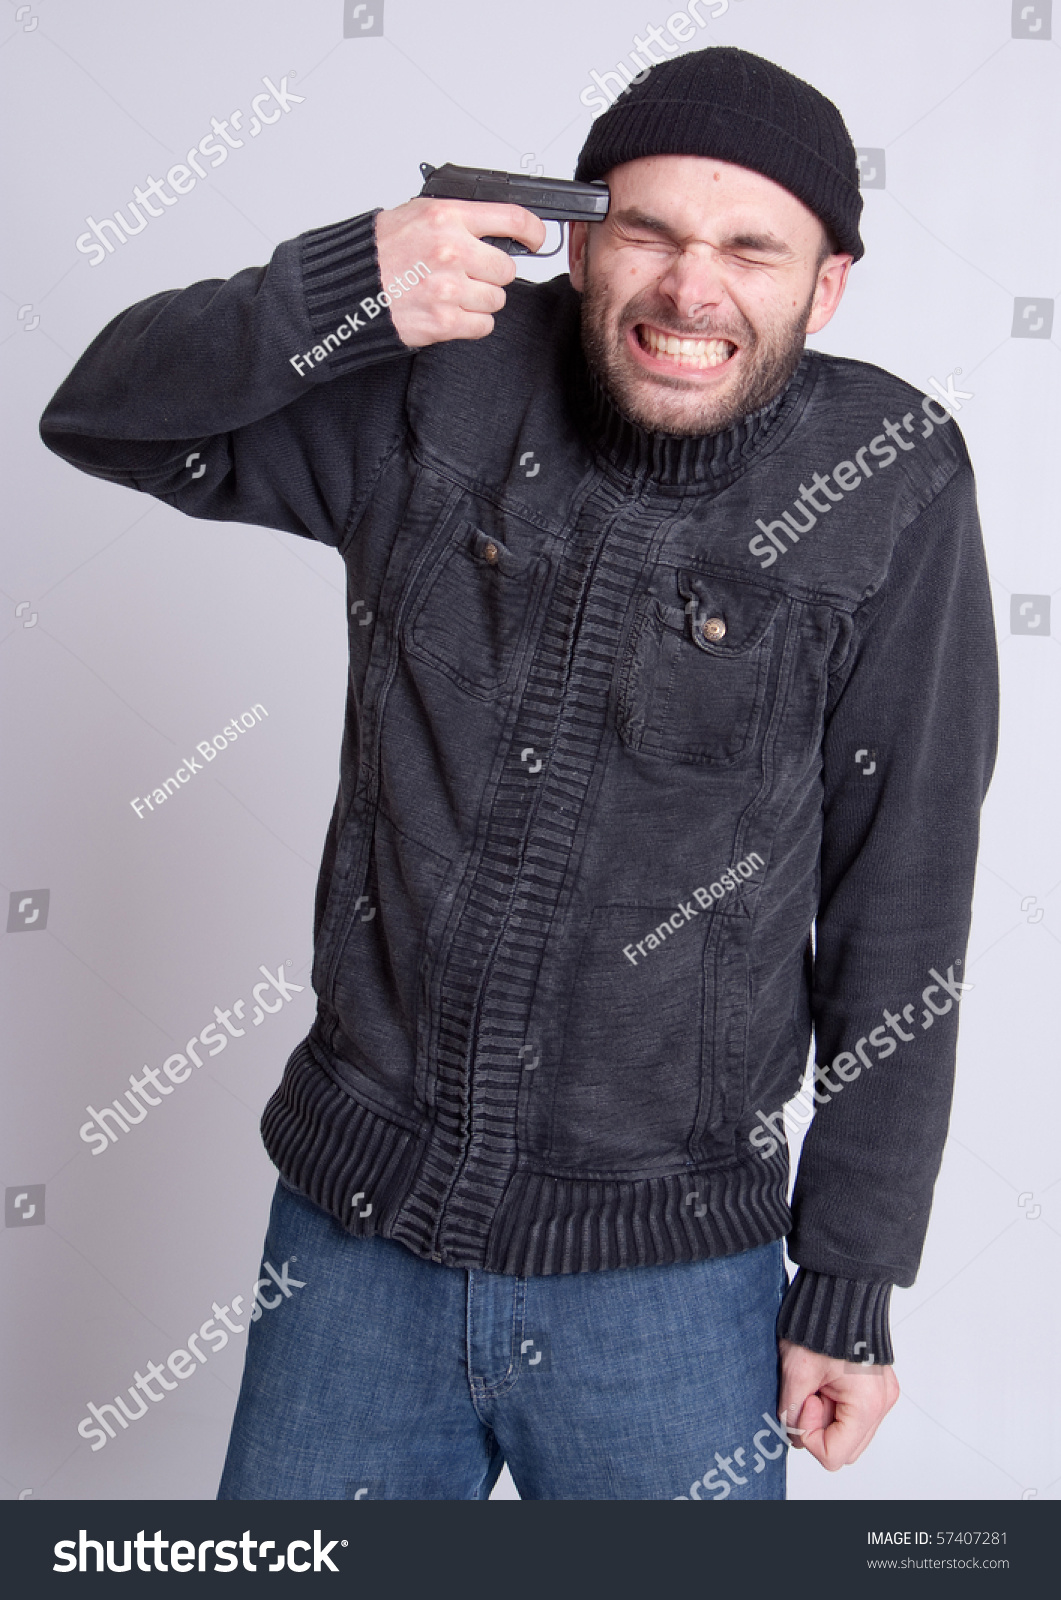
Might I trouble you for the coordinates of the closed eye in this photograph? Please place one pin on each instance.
(748, 261)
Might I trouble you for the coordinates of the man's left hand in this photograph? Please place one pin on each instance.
(837, 1405)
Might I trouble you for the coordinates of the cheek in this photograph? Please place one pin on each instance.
(764, 306)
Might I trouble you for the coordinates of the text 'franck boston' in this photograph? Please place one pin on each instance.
(372, 307)
(208, 749)
(686, 910)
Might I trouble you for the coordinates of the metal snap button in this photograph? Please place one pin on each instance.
(714, 629)
(490, 551)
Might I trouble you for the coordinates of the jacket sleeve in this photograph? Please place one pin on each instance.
(192, 395)
(917, 692)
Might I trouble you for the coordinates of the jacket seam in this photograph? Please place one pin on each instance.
(427, 461)
(866, 611)
(359, 502)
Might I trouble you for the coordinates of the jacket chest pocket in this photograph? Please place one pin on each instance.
(474, 612)
(697, 672)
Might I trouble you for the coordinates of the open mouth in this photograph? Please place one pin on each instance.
(681, 352)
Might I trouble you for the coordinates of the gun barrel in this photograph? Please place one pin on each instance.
(554, 199)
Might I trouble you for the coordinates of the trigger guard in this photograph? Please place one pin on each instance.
(513, 247)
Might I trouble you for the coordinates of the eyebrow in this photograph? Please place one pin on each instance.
(761, 243)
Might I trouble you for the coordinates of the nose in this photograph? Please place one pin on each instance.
(693, 284)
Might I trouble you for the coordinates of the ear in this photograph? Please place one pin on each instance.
(832, 281)
(577, 244)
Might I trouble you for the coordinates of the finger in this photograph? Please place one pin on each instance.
(478, 296)
(842, 1442)
(811, 1420)
(795, 1392)
(418, 331)
(793, 1419)
(828, 1436)
(474, 326)
(854, 1422)
(819, 1442)
(483, 218)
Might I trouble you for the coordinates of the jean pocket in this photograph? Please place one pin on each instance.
(695, 680)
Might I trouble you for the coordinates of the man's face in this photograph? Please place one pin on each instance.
(712, 255)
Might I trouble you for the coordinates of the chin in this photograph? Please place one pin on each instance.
(693, 417)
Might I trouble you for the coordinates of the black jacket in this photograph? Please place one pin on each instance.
(619, 735)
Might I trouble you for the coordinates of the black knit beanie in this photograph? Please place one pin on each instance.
(737, 107)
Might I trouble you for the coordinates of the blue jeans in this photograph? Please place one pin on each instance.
(378, 1375)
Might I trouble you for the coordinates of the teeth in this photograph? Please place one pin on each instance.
(698, 353)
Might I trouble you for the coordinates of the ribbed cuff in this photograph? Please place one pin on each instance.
(340, 269)
(842, 1317)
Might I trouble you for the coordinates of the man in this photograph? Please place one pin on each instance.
(681, 646)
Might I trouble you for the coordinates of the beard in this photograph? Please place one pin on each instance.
(664, 404)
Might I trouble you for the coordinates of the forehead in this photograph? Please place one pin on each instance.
(695, 195)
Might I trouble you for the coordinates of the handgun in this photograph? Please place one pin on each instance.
(553, 199)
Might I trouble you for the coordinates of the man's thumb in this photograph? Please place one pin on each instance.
(790, 1412)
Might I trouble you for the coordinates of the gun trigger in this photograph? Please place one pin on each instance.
(513, 247)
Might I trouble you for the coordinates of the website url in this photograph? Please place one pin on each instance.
(936, 1563)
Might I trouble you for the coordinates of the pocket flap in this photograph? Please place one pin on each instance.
(472, 615)
(489, 550)
(724, 616)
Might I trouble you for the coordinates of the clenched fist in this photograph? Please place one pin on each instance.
(466, 284)
(833, 1407)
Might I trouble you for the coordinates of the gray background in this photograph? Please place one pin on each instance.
(152, 630)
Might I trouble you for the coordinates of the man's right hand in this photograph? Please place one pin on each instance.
(465, 287)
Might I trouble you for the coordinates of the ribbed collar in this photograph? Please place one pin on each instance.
(709, 461)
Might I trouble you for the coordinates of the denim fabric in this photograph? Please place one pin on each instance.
(389, 1377)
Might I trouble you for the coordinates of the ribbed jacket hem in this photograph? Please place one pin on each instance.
(842, 1317)
(363, 1169)
(340, 269)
